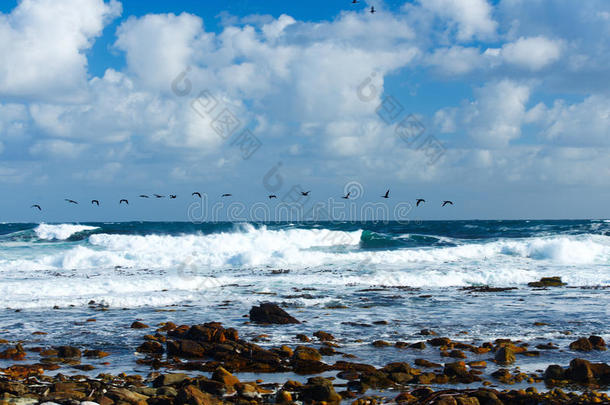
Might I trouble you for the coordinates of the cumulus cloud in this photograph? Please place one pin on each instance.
(493, 118)
(46, 41)
(533, 53)
(473, 18)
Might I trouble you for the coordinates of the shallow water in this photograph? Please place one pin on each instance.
(337, 277)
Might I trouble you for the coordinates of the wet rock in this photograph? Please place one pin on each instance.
(547, 282)
(138, 325)
(319, 389)
(302, 338)
(169, 379)
(13, 353)
(226, 378)
(185, 348)
(426, 363)
(122, 394)
(418, 345)
(505, 355)
(68, 352)
(324, 336)
(427, 332)
(151, 347)
(441, 341)
(191, 395)
(597, 342)
(306, 353)
(381, 343)
(96, 354)
(270, 313)
(581, 345)
(554, 372)
(580, 371)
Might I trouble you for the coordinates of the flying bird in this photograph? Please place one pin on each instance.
(36, 206)
(172, 196)
(305, 193)
(96, 202)
(447, 202)
(272, 196)
(70, 201)
(226, 195)
(419, 201)
(355, 1)
(158, 195)
(124, 201)
(346, 197)
(196, 193)
(373, 10)
(386, 195)
(143, 196)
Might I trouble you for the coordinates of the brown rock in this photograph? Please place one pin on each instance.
(223, 376)
(191, 395)
(138, 325)
(319, 389)
(125, 395)
(303, 338)
(97, 354)
(505, 355)
(324, 336)
(597, 342)
(306, 353)
(547, 282)
(581, 345)
(151, 347)
(68, 352)
(270, 313)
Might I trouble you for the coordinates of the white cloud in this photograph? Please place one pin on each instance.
(472, 17)
(493, 119)
(43, 44)
(579, 124)
(532, 53)
(57, 148)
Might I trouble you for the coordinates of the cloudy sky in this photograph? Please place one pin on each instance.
(501, 106)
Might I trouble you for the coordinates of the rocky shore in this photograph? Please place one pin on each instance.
(199, 364)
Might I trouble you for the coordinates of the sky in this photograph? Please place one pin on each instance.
(501, 106)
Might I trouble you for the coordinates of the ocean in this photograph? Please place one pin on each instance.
(360, 281)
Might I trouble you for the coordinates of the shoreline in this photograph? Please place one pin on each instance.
(209, 363)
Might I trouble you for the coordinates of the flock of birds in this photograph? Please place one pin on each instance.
(418, 202)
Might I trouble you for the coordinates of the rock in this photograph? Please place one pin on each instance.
(169, 379)
(554, 372)
(185, 348)
(68, 352)
(303, 338)
(441, 341)
(97, 354)
(138, 325)
(271, 314)
(13, 353)
(426, 363)
(319, 389)
(122, 394)
(306, 353)
(381, 343)
(191, 395)
(581, 345)
(547, 282)
(477, 364)
(223, 376)
(324, 336)
(580, 371)
(445, 400)
(151, 347)
(427, 332)
(418, 345)
(505, 355)
(597, 342)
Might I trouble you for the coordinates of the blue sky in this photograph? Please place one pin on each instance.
(513, 98)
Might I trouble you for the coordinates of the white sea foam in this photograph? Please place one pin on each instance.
(133, 270)
(60, 231)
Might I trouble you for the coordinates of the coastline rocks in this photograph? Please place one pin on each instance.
(138, 325)
(269, 313)
(150, 347)
(547, 282)
(586, 345)
(505, 355)
(66, 352)
(579, 371)
(319, 390)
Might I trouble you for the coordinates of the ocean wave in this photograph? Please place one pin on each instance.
(60, 231)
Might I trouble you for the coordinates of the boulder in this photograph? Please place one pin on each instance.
(138, 325)
(320, 389)
(547, 282)
(191, 395)
(270, 313)
(505, 355)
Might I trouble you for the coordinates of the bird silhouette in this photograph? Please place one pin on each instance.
(124, 201)
(226, 195)
(447, 202)
(36, 206)
(96, 202)
(272, 196)
(346, 197)
(386, 195)
(158, 195)
(172, 196)
(305, 193)
(70, 201)
(196, 193)
(373, 10)
(355, 2)
(419, 201)
(143, 196)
